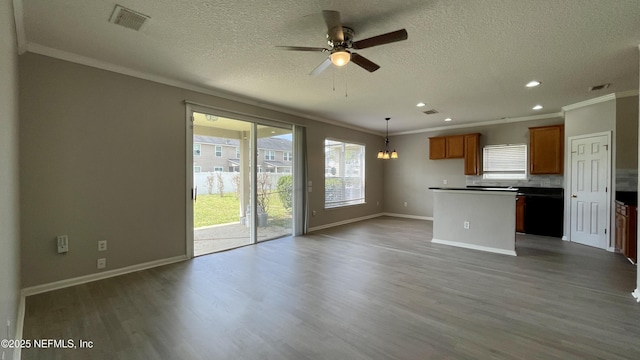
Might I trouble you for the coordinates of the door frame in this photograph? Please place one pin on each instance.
(610, 186)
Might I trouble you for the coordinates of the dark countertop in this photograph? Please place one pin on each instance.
(627, 197)
(476, 189)
(530, 191)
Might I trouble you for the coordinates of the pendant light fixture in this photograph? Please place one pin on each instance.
(386, 153)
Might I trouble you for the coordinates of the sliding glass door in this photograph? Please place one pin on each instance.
(229, 179)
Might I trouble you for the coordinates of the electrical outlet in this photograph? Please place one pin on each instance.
(466, 225)
(63, 243)
(102, 245)
(102, 263)
(405, 204)
(445, 181)
(313, 213)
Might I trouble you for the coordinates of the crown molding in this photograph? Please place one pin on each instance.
(91, 62)
(624, 94)
(21, 35)
(600, 99)
(484, 123)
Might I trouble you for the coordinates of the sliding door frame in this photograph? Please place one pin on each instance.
(192, 107)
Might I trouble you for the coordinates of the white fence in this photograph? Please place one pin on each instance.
(209, 182)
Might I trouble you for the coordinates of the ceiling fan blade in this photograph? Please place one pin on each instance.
(387, 38)
(364, 63)
(320, 68)
(334, 25)
(301, 48)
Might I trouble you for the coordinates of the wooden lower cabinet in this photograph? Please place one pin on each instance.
(626, 230)
(520, 207)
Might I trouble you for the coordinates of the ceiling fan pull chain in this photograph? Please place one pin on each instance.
(334, 79)
(346, 87)
(346, 83)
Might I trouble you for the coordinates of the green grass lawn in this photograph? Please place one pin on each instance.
(214, 209)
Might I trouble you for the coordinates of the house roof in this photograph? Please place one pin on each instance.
(263, 143)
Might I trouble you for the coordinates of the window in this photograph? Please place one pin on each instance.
(269, 155)
(344, 174)
(218, 151)
(196, 149)
(287, 156)
(504, 162)
(197, 169)
(218, 169)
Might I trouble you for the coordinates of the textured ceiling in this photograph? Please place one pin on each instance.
(468, 59)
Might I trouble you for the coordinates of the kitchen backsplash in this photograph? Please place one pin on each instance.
(626, 179)
(554, 181)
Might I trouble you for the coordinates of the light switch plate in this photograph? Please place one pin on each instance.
(102, 245)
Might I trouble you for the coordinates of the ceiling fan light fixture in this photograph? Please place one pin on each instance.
(340, 57)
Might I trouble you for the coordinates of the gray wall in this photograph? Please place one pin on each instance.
(9, 230)
(85, 136)
(408, 178)
(627, 132)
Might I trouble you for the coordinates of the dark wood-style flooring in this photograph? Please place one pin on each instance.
(376, 289)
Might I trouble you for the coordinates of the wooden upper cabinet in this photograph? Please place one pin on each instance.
(455, 147)
(472, 154)
(446, 147)
(546, 149)
(437, 148)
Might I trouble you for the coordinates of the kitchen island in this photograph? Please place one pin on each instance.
(479, 219)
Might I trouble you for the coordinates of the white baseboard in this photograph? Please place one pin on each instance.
(474, 247)
(344, 222)
(636, 294)
(38, 289)
(416, 217)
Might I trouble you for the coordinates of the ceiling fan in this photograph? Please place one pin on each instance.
(340, 40)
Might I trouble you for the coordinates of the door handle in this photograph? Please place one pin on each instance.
(574, 196)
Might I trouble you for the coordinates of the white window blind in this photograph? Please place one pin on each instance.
(506, 162)
(344, 174)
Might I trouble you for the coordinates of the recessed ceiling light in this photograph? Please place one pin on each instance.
(533, 83)
(537, 107)
(447, 119)
(420, 104)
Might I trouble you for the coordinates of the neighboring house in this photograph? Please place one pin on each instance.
(275, 155)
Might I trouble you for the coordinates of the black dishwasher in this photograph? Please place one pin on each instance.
(544, 211)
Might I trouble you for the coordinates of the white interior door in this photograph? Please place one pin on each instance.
(589, 185)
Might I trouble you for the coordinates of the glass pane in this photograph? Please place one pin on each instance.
(344, 173)
(221, 177)
(274, 182)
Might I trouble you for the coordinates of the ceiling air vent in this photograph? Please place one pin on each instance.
(431, 111)
(128, 18)
(599, 87)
